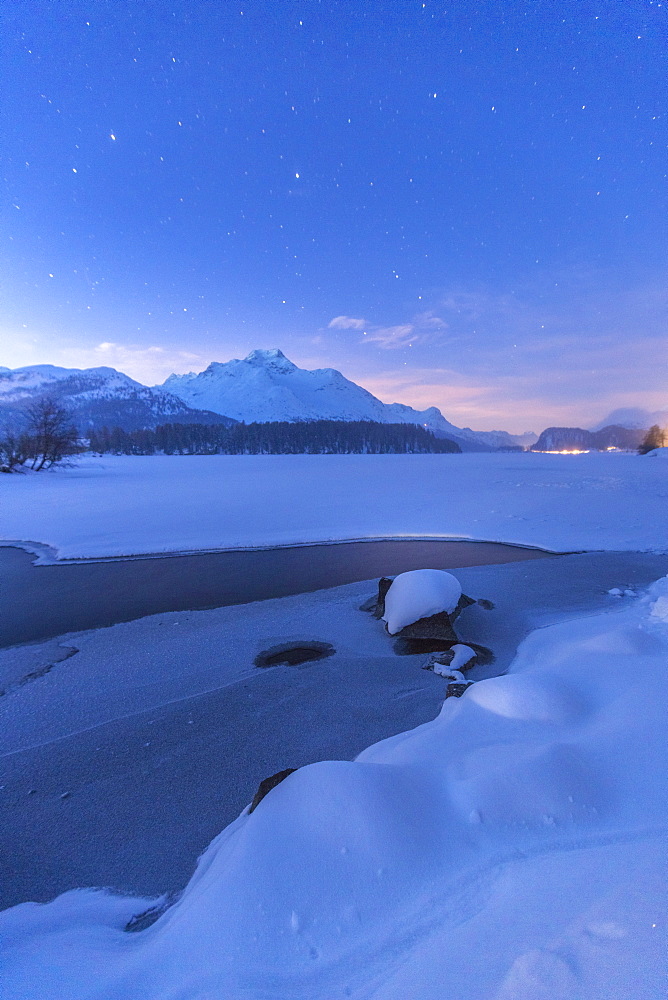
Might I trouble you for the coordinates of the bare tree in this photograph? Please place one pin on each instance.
(47, 440)
(51, 434)
(14, 451)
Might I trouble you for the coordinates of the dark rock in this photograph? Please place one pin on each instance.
(487, 605)
(143, 920)
(267, 784)
(384, 585)
(417, 647)
(456, 689)
(464, 602)
(484, 655)
(437, 626)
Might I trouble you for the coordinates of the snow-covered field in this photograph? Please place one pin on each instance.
(129, 505)
(511, 849)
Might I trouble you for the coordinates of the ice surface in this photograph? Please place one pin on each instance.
(131, 504)
(513, 848)
(419, 593)
(170, 709)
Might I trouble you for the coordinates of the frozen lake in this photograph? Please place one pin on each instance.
(158, 731)
(122, 505)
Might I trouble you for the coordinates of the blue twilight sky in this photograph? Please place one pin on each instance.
(460, 204)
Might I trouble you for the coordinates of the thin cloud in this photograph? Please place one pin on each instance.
(391, 336)
(346, 323)
(515, 403)
(422, 328)
(430, 321)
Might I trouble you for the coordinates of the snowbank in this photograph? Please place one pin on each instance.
(129, 504)
(512, 849)
(417, 594)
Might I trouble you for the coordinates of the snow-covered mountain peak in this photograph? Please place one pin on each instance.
(267, 386)
(273, 359)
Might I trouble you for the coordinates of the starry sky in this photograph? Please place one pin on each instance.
(455, 204)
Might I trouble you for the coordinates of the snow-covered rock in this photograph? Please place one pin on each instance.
(419, 593)
(463, 656)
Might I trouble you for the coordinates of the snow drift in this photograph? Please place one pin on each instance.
(512, 849)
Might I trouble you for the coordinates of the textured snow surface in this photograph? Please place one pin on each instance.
(417, 594)
(124, 505)
(512, 849)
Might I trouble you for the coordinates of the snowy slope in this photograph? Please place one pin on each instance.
(267, 386)
(511, 849)
(95, 397)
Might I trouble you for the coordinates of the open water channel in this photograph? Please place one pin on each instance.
(41, 601)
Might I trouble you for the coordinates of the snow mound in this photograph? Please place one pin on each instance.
(658, 453)
(417, 594)
(660, 609)
(519, 697)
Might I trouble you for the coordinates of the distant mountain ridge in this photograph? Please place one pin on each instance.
(95, 398)
(266, 386)
(576, 438)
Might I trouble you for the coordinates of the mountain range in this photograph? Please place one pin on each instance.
(263, 387)
(95, 398)
(266, 386)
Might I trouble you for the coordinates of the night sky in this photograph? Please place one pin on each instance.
(455, 204)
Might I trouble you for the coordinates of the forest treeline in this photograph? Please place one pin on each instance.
(314, 437)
